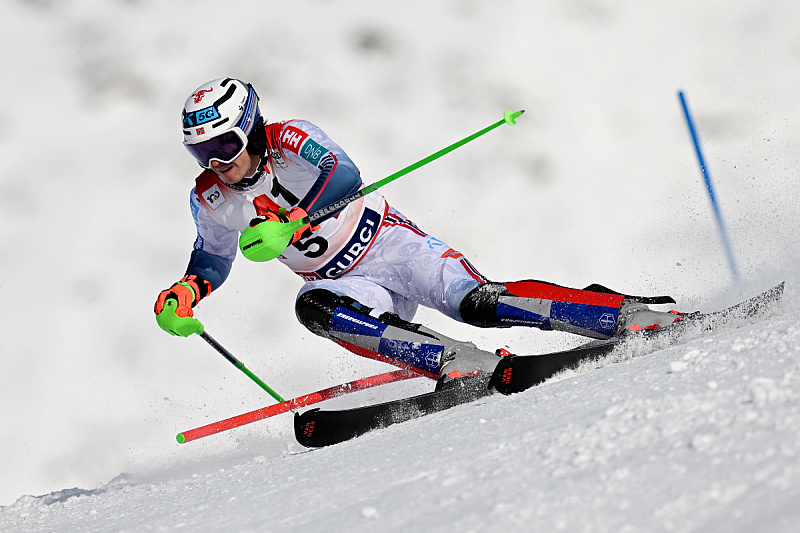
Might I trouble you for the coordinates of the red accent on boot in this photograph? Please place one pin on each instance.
(455, 374)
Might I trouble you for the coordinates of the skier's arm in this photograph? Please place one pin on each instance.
(338, 179)
(214, 248)
(209, 266)
(205, 272)
(337, 176)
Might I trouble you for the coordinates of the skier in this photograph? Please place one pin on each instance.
(367, 267)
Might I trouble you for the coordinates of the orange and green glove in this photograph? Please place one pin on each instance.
(173, 306)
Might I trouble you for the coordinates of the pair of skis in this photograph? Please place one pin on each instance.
(514, 373)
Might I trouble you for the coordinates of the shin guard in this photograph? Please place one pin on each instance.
(591, 313)
(386, 338)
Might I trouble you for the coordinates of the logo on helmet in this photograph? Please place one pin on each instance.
(198, 96)
(201, 116)
(199, 131)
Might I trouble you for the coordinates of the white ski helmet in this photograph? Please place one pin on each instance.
(218, 118)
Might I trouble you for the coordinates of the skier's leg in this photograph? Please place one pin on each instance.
(385, 336)
(418, 267)
(597, 313)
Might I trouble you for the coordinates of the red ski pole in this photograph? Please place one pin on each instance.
(301, 401)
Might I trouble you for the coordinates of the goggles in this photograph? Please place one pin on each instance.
(223, 148)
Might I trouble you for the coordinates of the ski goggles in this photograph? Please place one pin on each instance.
(223, 148)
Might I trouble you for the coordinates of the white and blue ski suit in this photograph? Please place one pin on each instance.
(367, 267)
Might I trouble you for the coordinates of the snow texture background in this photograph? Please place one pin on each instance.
(597, 183)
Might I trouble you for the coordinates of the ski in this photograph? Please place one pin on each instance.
(514, 373)
(517, 373)
(317, 428)
(738, 314)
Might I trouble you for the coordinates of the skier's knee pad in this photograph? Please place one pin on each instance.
(315, 309)
(479, 306)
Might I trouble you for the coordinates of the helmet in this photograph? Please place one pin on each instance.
(218, 119)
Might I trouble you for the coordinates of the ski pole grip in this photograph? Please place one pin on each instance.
(511, 116)
(181, 326)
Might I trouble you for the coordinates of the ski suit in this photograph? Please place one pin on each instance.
(367, 267)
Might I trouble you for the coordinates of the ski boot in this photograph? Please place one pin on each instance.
(635, 316)
(462, 363)
(596, 311)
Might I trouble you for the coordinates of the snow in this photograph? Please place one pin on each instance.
(701, 437)
(596, 183)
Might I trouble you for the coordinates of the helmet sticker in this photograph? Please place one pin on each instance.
(249, 112)
(198, 96)
(195, 118)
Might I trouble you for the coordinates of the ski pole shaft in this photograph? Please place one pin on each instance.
(709, 187)
(301, 401)
(238, 364)
(510, 118)
(269, 239)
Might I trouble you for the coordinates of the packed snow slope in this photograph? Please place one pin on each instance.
(596, 183)
(701, 437)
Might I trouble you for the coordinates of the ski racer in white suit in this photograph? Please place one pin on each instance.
(367, 267)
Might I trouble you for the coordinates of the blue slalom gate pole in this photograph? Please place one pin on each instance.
(709, 187)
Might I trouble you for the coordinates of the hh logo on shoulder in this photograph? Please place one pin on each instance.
(213, 197)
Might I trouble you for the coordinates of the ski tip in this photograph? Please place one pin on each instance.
(180, 438)
(512, 116)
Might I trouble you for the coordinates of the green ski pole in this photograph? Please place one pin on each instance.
(269, 239)
(238, 364)
(509, 118)
(185, 326)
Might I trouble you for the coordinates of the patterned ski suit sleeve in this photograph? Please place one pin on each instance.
(337, 176)
(214, 249)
